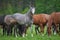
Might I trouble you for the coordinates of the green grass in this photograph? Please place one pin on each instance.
(35, 37)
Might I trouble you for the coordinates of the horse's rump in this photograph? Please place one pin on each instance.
(9, 19)
(55, 20)
(56, 17)
(2, 19)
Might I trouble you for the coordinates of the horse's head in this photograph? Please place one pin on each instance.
(32, 10)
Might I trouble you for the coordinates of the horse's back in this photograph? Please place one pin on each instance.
(2, 19)
(56, 17)
(9, 19)
(18, 14)
(35, 19)
(40, 18)
(45, 16)
(19, 17)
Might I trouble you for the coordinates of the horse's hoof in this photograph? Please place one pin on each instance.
(26, 34)
(54, 33)
(42, 34)
(32, 35)
(23, 35)
(16, 35)
(49, 36)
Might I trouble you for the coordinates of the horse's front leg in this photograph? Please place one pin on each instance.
(36, 29)
(15, 30)
(11, 30)
(24, 30)
(56, 27)
(31, 29)
(4, 29)
(8, 30)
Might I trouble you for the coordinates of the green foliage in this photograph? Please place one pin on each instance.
(42, 6)
(25, 10)
(28, 37)
(47, 6)
(9, 9)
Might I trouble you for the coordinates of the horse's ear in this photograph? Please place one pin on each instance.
(30, 4)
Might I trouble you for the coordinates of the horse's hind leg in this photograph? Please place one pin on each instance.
(59, 27)
(31, 28)
(36, 29)
(42, 29)
(15, 31)
(25, 30)
(56, 28)
(8, 30)
(11, 29)
(4, 29)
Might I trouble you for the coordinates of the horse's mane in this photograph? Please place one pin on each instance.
(28, 12)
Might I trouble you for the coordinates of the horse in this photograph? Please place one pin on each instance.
(40, 20)
(25, 19)
(21, 29)
(10, 22)
(3, 23)
(54, 19)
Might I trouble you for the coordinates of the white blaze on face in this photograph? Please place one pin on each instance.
(33, 10)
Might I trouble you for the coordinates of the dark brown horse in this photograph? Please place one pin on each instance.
(55, 20)
(2, 22)
(10, 22)
(40, 20)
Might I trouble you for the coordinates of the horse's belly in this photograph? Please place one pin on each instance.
(57, 19)
(36, 22)
(21, 21)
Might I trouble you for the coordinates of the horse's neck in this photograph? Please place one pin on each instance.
(28, 13)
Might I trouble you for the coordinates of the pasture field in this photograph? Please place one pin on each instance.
(28, 37)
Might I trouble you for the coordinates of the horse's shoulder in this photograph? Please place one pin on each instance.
(36, 15)
(17, 14)
(55, 13)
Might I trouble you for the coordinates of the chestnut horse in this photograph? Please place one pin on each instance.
(40, 20)
(54, 19)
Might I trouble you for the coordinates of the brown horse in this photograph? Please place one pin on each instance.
(40, 20)
(10, 22)
(54, 19)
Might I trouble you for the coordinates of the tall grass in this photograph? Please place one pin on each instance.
(28, 37)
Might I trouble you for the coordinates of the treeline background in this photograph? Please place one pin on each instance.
(22, 6)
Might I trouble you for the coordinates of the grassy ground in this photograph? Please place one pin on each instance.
(35, 37)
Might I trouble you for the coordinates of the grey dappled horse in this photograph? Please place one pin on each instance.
(25, 18)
